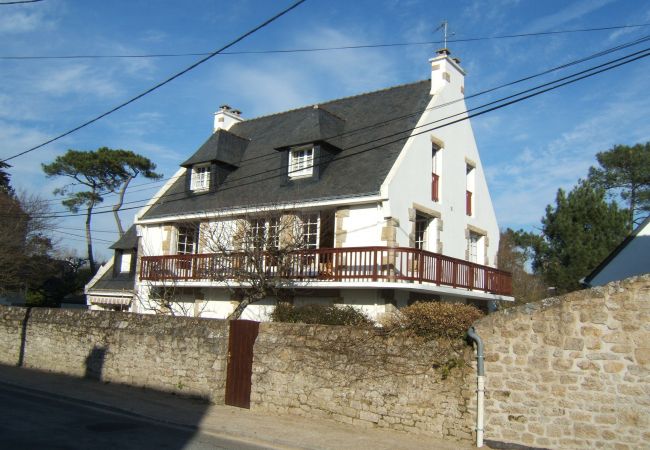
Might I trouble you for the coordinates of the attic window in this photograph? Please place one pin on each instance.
(201, 177)
(301, 162)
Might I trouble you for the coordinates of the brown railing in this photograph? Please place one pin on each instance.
(435, 183)
(468, 202)
(332, 264)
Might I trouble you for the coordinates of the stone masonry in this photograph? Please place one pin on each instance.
(171, 354)
(571, 372)
(364, 379)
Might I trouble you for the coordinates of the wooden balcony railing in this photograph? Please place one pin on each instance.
(356, 264)
(435, 186)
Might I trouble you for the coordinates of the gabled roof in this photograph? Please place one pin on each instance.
(128, 241)
(621, 247)
(222, 146)
(259, 179)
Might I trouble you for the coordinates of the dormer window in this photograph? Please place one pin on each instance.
(301, 162)
(201, 177)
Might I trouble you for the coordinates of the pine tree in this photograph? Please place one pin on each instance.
(625, 171)
(578, 232)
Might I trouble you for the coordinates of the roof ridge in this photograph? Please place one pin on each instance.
(331, 101)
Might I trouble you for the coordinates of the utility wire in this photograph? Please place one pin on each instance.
(19, 2)
(378, 124)
(231, 181)
(547, 87)
(324, 49)
(162, 83)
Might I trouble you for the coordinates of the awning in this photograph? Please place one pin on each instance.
(109, 300)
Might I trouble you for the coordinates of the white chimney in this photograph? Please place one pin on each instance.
(226, 117)
(446, 73)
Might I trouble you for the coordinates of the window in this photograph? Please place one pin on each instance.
(201, 177)
(470, 199)
(256, 233)
(186, 242)
(301, 162)
(125, 262)
(263, 234)
(435, 172)
(310, 230)
(421, 225)
(475, 247)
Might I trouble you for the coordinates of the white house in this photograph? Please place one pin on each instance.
(391, 206)
(630, 258)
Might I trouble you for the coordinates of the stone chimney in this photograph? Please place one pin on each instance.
(446, 72)
(226, 117)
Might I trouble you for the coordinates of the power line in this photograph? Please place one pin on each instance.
(324, 49)
(548, 87)
(356, 130)
(162, 83)
(19, 2)
(106, 241)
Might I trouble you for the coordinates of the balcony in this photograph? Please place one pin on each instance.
(347, 265)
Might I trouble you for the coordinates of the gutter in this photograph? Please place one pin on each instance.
(480, 384)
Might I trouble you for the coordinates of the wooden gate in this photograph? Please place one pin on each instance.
(240, 362)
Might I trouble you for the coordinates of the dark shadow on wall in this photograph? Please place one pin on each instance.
(95, 363)
(23, 337)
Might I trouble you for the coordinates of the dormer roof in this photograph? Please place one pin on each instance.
(128, 241)
(311, 125)
(222, 146)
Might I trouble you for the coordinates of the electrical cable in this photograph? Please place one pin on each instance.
(549, 87)
(162, 83)
(375, 125)
(323, 49)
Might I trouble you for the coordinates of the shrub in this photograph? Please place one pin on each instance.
(434, 319)
(320, 314)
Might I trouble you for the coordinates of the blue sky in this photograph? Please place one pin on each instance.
(528, 150)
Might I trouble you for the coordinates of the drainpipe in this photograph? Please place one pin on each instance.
(480, 382)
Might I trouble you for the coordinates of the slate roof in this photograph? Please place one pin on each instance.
(128, 241)
(260, 180)
(221, 146)
(108, 282)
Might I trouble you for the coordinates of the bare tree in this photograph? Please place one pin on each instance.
(261, 255)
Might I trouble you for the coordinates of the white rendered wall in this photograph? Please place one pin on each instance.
(363, 226)
(409, 181)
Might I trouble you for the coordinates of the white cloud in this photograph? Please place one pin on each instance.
(25, 19)
(572, 12)
(77, 79)
(523, 185)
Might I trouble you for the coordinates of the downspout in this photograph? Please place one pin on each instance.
(480, 382)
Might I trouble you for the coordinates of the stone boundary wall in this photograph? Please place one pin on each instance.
(172, 354)
(364, 379)
(571, 372)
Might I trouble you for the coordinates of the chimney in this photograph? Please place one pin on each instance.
(226, 117)
(446, 73)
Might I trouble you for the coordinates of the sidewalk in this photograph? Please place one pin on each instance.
(264, 429)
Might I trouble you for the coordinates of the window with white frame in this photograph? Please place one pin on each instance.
(201, 177)
(421, 225)
(301, 162)
(310, 230)
(263, 234)
(125, 262)
(475, 247)
(187, 239)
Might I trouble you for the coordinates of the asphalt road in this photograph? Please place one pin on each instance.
(31, 420)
